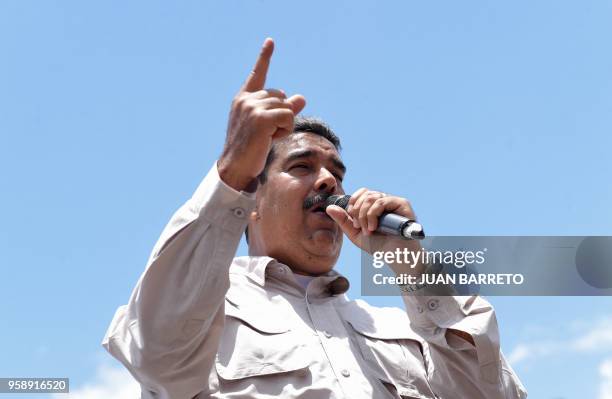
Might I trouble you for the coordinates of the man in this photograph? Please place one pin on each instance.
(203, 324)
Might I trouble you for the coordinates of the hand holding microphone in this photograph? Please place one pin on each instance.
(388, 223)
(366, 211)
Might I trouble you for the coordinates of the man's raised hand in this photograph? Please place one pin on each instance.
(257, 117)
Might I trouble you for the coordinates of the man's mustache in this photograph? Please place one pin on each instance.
(309, 202)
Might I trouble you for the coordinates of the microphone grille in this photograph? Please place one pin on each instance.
(339, 200)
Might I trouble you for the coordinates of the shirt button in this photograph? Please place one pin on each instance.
(433, 304)
(327, 334)
(345, 373)
(239, 213)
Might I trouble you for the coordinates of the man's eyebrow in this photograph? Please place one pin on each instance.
(309, 153)
(299, 154)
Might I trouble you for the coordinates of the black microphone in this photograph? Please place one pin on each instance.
(388, 223)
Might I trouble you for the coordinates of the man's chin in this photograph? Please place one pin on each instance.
(325, 243)
(327, 237)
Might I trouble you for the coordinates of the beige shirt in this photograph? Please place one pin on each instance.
(203, 324)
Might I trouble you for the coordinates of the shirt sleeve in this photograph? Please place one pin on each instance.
(167, 335)
(484, 369)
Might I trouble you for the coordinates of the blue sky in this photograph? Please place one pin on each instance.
(492, 118)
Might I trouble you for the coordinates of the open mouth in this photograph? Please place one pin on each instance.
(319, 209)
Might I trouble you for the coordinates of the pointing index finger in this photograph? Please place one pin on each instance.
(257, 77)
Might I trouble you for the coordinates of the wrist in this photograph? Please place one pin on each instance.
(234, 179)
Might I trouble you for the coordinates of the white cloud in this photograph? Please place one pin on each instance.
(594, 337)
(605, 386)
(524, 351)
(110, 382)
(519, 353)
(599, 337)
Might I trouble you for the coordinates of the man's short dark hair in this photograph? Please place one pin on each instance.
(301, 124)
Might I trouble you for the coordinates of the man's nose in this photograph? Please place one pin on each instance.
(326, 182)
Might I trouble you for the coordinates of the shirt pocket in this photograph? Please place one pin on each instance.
(257, 342)
(394, 357)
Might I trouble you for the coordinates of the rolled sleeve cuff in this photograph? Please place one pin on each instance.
(222, 205)
(432, 315)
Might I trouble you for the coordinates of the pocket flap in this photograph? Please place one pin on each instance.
(261, 317)
(231, 368)
(380, 323)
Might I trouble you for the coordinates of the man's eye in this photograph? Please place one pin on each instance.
(338, 176)
(301, 166)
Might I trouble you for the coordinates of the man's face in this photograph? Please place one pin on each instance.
(307, 240)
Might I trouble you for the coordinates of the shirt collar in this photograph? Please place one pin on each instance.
(258, 267)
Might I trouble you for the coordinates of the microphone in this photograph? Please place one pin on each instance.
(388, 223)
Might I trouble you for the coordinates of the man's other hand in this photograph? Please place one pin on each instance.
(257, 117)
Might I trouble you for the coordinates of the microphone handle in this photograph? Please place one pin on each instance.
(394, 224)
